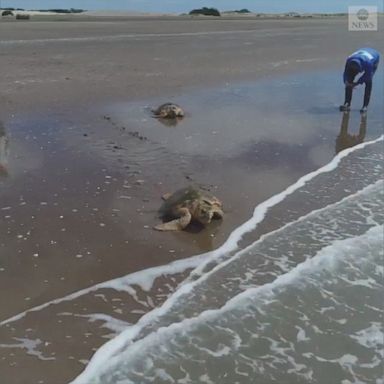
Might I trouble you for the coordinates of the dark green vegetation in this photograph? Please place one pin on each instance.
(12, 9)
(59, 10)
(56, 10)
(205, 11)
(244, 10)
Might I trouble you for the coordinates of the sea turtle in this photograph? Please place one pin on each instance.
(187, 205)
(168, 111)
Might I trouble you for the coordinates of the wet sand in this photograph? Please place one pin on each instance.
(64, 63)
(86, 164)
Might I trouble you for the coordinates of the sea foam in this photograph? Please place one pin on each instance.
(113, 348)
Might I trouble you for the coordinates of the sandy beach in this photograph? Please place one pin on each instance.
(86, 164)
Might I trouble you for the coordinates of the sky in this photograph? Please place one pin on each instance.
(179, 6)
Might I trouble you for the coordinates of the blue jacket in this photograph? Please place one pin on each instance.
(368, 60)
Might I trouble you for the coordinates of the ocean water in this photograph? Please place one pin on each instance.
(320, 322)
(301, 304)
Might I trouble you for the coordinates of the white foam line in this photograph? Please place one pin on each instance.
(110, 348)
(146, 277)
(335, 249)
(133, 331)
(261, 210)
(142, 277)
(282, 229)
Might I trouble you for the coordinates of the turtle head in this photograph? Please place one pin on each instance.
(204, 213)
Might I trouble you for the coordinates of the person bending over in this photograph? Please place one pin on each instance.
(363, 62)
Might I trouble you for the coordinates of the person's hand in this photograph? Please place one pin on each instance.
(348, 84)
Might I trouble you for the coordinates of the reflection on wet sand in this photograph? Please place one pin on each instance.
(4, 150)
(170, 122)
(346, 140)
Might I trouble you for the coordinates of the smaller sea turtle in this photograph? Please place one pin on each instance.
(168, 111)
(186, 205)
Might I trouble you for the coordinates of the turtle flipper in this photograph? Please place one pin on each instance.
(166, 196)
(177, 224)
(173, 225)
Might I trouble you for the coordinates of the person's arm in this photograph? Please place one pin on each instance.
(367, 93)
(367, 75)
(345, 80)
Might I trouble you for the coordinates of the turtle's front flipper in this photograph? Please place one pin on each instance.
(173, 225)
(166, 196)
(177, 224)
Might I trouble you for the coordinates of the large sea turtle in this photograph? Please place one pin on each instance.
(168, 111)
(186, 205)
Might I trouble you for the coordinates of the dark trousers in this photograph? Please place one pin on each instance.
(367, 94)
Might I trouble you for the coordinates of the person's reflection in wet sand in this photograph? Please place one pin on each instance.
(347, 140)
(4, 142)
